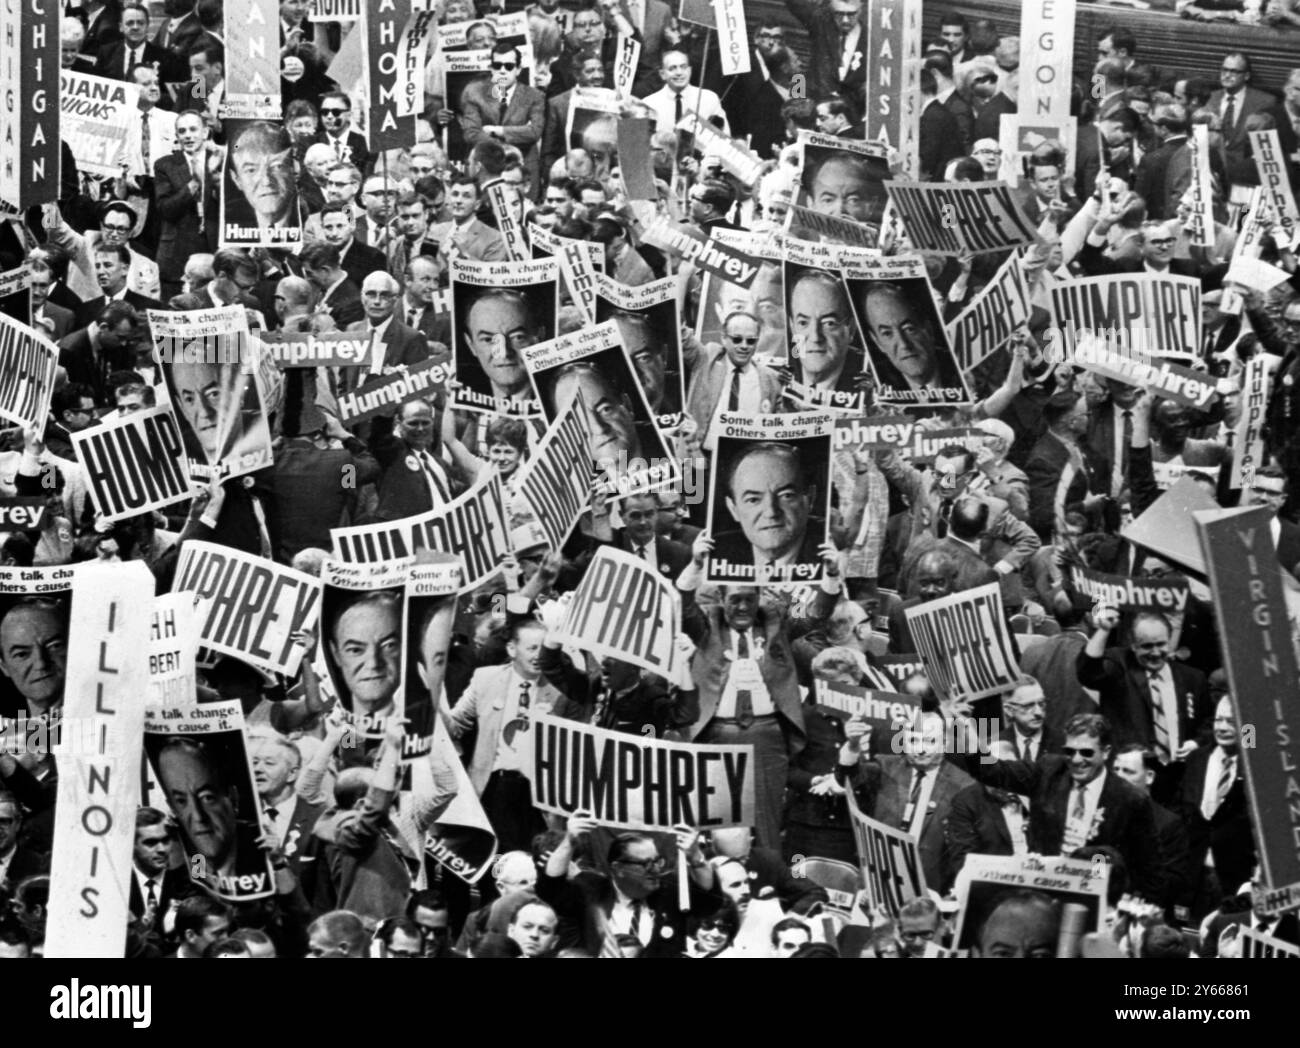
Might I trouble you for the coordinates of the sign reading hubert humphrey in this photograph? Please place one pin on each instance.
(134, 463)
(769, 500)
(634, 783)
(624, 609)
(964, 643)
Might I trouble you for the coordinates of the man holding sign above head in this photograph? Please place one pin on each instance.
(744, 669)
(365, 642)
(824, 348)
(772, 496)
(1147, 696)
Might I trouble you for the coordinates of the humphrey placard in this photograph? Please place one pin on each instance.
(965, 644)
(134, 464)
(634, 783)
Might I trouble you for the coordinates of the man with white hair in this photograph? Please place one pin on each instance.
(317, 163)
(392, 343)
(276, 762)
(998, 477)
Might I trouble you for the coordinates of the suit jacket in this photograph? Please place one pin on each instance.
(90, 308)
(1088, 157)
(893, 784)
(976, 826)
(521, 126)
(343, 303)
(961, 109)
(1176, 875)
(187, 33)
(182, 235)
(753, 108)
(1290, 143)
(825, 53)
(900, 634)
(658, 18)
(360, 260)
(672, 557)
(1227, 836)
(1126, 696)
(1236, 140)
(402, 489)
(554, 144)
(1055, 484)
(940, 140)
(1095, 263)
(65, 320)
(204, 299)
(176, 885)
(972, 569)
(711, 375)
(357, 153)
(25, 863)
(77, 358)
(110, 62)
(478, 240)
(402, 346)
(988, 119)
(481, 707)
(583, 904)
(707, 628)
(1126, 821)
(296, 841)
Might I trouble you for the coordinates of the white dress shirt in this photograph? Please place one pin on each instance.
(1077, 830)
(622, 917)
(508, 756)
(1213, 769)
(663, 103)
(1164, 680)
(744, 674)
(914, 816)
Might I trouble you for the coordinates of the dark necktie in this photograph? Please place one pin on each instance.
(505, 104)
(413, 317)
(1159, 722)
(1229, 114)
(677, 109)
(272, 813)
(144, 140)
(744, 697)
(638, 908)
(733, 401)
(601, 712)
(640, 552)
(913, 798)
(941, 524)
(151, 899)
(1027, 750)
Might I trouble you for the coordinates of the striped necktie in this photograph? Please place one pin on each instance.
(1227, 776)
(1159, 721)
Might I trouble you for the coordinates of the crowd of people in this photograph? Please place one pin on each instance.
(1118, 744)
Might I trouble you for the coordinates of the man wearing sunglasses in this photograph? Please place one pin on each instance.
(506, 110)
(337, 133)
(726, 377)
(1074, 801)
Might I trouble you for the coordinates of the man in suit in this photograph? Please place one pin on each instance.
(657, 31)
(339, 296)
(182, 29)
(1216, 810)
(155, 887)
(912, 792)
(967, 522)
(418, 307)
(638, 897)
(1106, 143)
(1074, 802)
(745, 671)
(638, 537)
(726, 377)
(1158, 241)
(16, 862)
(413, 480)
(940, 134)
(1268, 487)
(770, 495)
(587, 71)
(92, 353)
(234, 275)
(1234, 103)
(465, 234)
(338, 227)
(1053, 663)
(754, 103)
(393, 344)
(186, 194)
(1136, 765)
(54, 320)
(1024, 717)
(984, 820)
(940, 65)
(1042, 195)
(837, 41)
(498, 706)
(1164, 173)
(415, 239)
(506, 110)
(1058, 470)
(276, 762)
(337, 133)
(117, 221)
(979, 78)
(1288, 127)
(1149, 698)
(112, 269)
(115, 61)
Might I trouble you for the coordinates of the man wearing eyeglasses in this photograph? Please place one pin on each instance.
(234, 278)
(393, 344)
(506, 110)
(1158, 242)
(754, 103)
(1074, 801)
(117, 219)
(988, 154)
(1233, 103)
(337, 133)
(837, 41)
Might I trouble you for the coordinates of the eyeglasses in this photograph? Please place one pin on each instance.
(984, 79)
(742, 341)
(1087, 753)
(379, 294)
(504, 65)
(917, 935)
(656, 865)
(334, 112)
(115, 229)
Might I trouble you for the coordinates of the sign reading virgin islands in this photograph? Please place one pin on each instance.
(634, 783)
